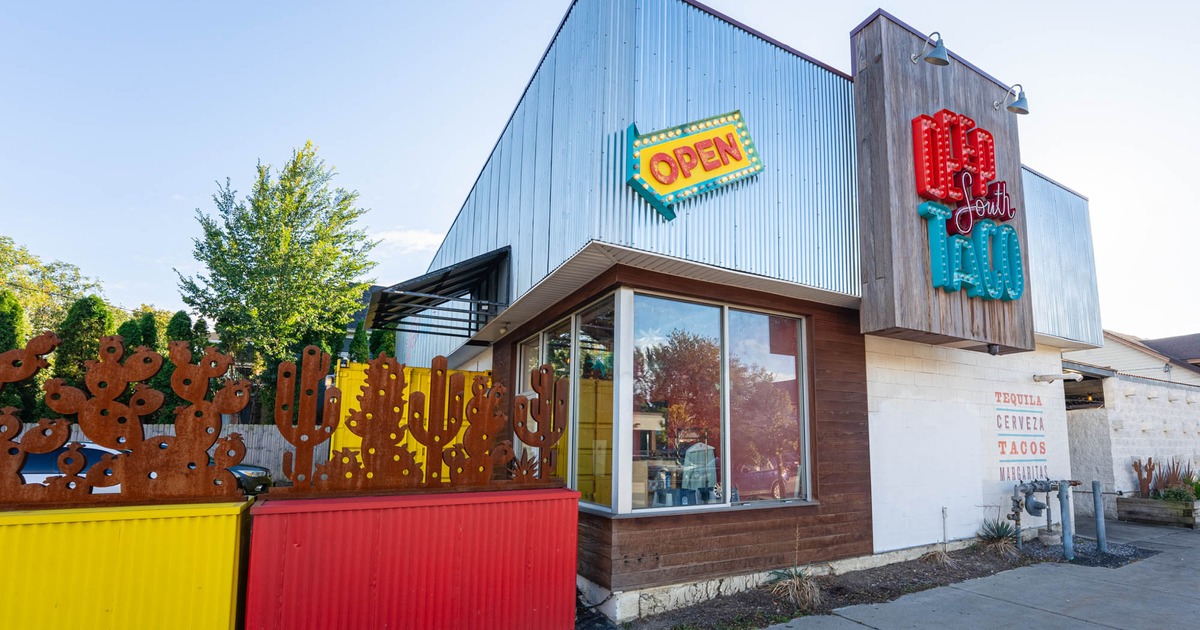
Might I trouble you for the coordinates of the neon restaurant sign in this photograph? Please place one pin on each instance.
(671, 165)
(972, 246)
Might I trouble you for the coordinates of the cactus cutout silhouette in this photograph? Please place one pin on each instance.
(549, 413)
(306, 434)
(471, 462)
(385, 463)
(437, 425)
(161, 468)
(1144, 474)
(15, 366)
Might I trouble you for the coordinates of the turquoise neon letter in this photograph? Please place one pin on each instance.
(935, 215)
(991, 259)
(964, 265)
(1013, 272)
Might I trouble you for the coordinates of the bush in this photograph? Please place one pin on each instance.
(1181, 492)
(798, 587)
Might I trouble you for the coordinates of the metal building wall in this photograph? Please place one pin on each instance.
(1062, 265)
(555, 178)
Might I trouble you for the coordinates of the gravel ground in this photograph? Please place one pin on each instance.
(758, 608)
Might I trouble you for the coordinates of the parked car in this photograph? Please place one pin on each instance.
(251, 479)
(39, 467)
(748, 480)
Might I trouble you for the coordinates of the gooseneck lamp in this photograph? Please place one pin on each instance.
(937, 56)
(1018, 106)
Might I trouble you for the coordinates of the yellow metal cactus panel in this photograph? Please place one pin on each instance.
(145, 567)
(350, 379)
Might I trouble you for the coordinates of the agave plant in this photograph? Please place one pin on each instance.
(998, 536)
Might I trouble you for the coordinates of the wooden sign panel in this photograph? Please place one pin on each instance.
(941, 206)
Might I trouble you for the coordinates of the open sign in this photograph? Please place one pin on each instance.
(671, 165)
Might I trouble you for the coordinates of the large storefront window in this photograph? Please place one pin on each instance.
(594, 404)
(715, 397)
(677, 403)
(764, 407)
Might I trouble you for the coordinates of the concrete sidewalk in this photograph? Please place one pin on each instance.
(1158, 592)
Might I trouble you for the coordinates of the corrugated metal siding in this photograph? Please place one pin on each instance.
(555, 179)
(489, 560)
(1062, 265)
(173, 566)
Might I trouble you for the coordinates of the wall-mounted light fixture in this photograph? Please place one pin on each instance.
(937, 56)
(1018, 106)
(1050, 378)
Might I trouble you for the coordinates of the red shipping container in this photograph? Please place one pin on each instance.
(487, 560)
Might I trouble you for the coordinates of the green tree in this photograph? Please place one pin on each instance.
(14, 333)
(360, 349)
(130, 333)
(199, 335)
(149, 329)
(45, 289)
(382, 341)
(179, 328)
(86, 322)
(285, 261)
(14, 330)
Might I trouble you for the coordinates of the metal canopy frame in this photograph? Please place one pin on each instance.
(454, 301)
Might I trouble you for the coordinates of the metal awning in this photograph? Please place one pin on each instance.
(454, 301)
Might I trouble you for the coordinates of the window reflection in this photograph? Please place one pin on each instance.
(593, 475)
(677, 403)
(764, 407)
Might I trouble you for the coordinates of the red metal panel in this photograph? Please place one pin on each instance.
(486, 560)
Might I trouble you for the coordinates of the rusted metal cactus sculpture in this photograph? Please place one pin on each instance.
(464, 434)
(15, 366)
(306, 434)
(435, 426)
(385, 463)
(168, 468)
(471, 461)
(549, 413)
(1144, 474)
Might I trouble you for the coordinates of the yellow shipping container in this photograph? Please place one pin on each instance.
(350, 379)
(146, 567)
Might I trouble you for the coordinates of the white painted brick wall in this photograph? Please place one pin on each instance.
(932, 413)
(1140, 420)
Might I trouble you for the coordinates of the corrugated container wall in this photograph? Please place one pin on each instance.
(461, 561)
(555, 179)
(162, 566)
(1062, 265)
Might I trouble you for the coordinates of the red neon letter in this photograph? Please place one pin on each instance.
(708, 155)
(728, 148)
(668, 177)
(687, 159)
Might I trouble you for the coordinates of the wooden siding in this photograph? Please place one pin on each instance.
(638, 552)
(898, 297)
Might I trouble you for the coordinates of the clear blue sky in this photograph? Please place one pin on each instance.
(118, 119)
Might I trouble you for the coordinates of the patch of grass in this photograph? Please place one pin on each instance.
(939, 558)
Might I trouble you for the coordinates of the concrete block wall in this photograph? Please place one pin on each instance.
(1140, 419)
(937, 418)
